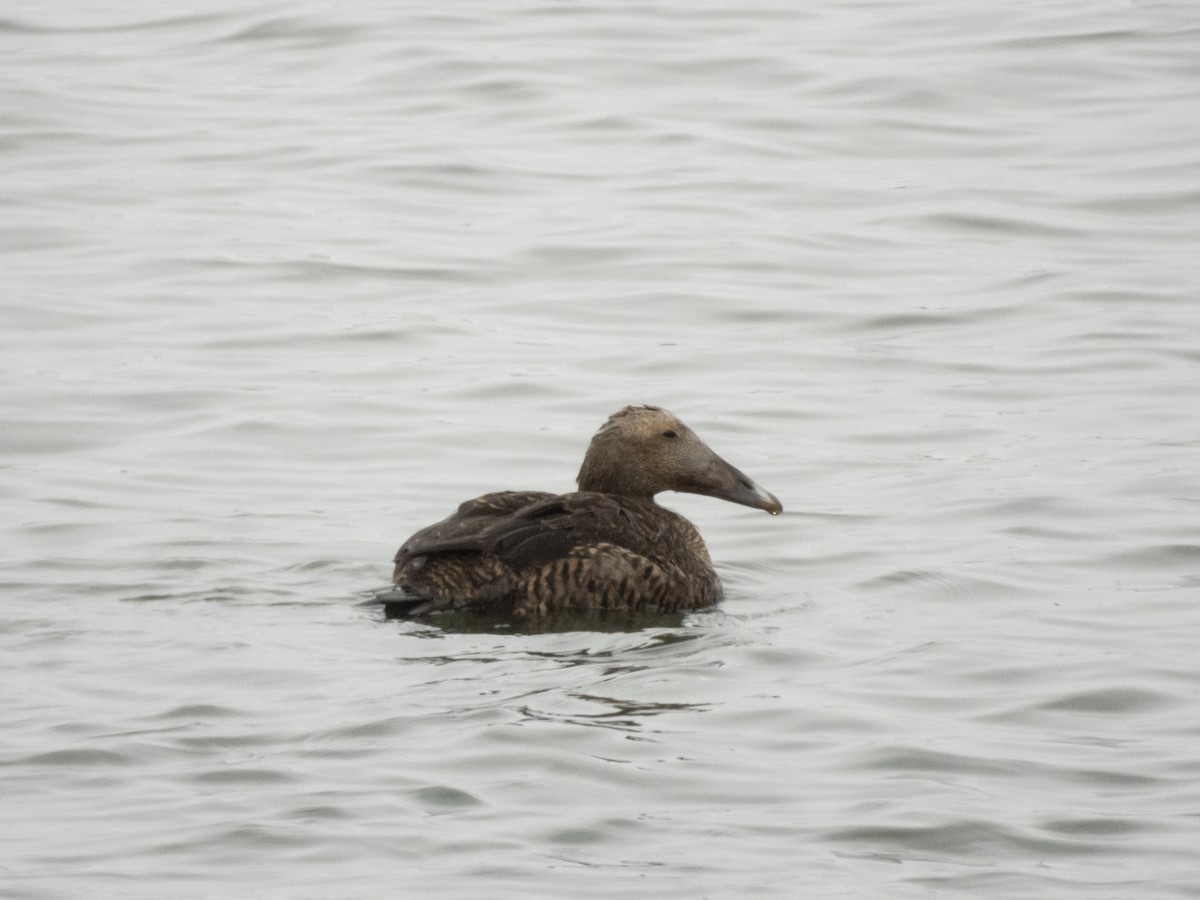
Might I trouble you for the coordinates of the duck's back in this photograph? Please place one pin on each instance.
(531, 552)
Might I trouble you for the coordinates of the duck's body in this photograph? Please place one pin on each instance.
(605, 546)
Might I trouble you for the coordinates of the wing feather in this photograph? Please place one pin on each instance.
(467, 528)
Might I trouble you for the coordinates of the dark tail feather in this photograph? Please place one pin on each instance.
(397, 604)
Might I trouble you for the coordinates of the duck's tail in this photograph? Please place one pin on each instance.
(399, 604)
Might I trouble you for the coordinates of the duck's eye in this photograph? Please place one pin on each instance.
(670, 434)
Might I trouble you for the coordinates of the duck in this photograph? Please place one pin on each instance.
(606, 546)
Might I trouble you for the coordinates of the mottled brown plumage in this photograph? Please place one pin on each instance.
(606, 546)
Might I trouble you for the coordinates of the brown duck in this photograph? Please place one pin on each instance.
(606, 546)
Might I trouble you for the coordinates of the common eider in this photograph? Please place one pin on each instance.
(606, 546)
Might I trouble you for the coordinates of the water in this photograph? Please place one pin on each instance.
(283, 283)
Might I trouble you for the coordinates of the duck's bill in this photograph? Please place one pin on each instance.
(729, 483)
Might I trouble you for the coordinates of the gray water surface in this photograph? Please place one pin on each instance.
(282, 283)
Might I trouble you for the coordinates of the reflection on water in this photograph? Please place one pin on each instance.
(608, 712)
(466, 621)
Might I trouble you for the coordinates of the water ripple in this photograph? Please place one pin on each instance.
(285, 284)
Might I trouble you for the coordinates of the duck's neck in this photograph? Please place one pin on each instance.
(606, 475)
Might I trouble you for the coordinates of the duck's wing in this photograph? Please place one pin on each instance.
(550, 529)
(595, 551)
(470, 522)
(501, 503)
(580, 550)
(443, 564)
(528, 528)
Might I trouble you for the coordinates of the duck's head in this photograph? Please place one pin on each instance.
(642, 450)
